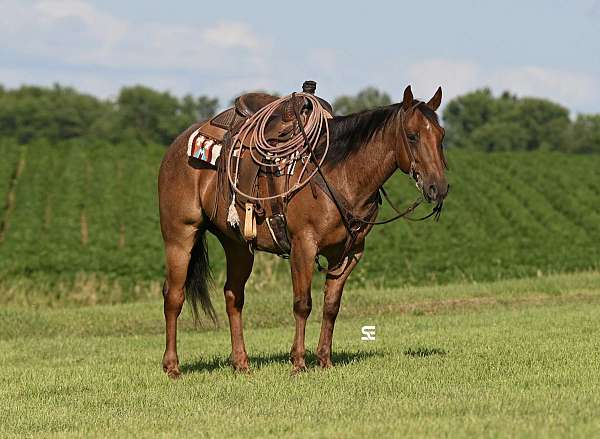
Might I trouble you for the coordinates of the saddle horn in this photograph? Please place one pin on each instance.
(309, 87)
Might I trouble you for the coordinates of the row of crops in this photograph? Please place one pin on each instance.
(78, 209)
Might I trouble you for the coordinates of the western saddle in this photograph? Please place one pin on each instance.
(280, 127)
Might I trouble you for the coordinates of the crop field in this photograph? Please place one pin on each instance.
(507, 358)
(81, 217)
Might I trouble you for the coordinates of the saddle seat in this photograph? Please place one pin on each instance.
(249, 103)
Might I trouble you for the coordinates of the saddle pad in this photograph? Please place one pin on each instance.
(203, 148)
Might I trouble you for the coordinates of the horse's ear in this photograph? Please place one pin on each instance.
(436, 100)
(408, 98)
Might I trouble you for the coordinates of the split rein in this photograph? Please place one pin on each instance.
(436, 212)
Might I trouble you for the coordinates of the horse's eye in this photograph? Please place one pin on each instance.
(413, 137)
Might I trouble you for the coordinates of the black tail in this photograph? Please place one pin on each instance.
(198, 280)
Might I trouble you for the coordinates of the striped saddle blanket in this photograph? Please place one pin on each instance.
(203, 148)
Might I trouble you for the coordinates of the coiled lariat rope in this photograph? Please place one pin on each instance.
(279, 154)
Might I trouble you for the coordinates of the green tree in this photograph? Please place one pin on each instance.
(367, 98)
(585, 134)
(510, 123)
(56, 113)
(200, 108)
(498, 136)
(148, 115)
(546, 123)
(152, 116)
(467, 113)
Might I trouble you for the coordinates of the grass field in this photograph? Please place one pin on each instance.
(87, 214)
(503, 359)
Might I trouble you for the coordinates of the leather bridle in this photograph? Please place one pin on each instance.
(412, 172)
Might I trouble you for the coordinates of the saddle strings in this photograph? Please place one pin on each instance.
(280, 154)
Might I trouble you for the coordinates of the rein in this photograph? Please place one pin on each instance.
(437, 211)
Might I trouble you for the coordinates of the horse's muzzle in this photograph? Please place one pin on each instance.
(436, 191)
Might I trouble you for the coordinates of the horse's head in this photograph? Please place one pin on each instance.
(422, 136)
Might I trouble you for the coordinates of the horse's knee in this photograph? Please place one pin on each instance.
(303, 306)
(233, 300)
(331, 308)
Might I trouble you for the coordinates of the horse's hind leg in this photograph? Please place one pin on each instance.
(334, 287)
(239, 267)
(178, 253)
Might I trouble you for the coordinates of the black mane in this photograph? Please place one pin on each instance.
(348, 133)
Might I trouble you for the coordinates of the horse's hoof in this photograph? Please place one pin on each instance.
(326, 364)
(173, 373)
(241, 368)
(240, 363)
(324, 361)
(171, 367)
(297, 370)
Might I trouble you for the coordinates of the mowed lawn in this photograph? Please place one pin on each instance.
(513, 358)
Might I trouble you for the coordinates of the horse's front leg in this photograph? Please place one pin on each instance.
(302, 259)
(239, 267)
(334, 287)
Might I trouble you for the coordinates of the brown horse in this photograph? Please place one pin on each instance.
(366, 149)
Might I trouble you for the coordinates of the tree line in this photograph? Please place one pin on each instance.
(138, 113)
(477, 120)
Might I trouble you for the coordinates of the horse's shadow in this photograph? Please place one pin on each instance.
(342, 358)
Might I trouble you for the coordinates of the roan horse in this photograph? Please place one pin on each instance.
(366, 149)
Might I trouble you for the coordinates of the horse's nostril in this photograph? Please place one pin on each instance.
(432, 191)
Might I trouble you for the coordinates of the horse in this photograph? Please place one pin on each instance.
(365, 150)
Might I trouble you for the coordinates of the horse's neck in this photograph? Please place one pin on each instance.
(361, 175)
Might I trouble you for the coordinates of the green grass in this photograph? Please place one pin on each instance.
(510, 359)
